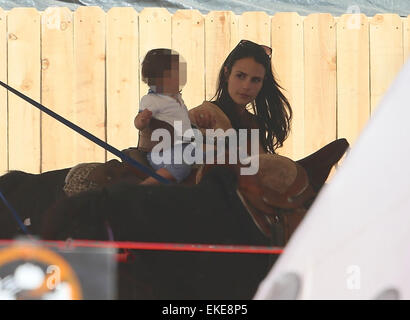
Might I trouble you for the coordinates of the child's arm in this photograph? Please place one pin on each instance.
(159, 124)
(143, 119)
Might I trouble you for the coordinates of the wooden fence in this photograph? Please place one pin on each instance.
(85, 65)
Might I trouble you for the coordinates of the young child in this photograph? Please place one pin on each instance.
(165, 73)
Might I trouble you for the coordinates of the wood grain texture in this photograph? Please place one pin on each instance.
(406, 38)
(320, 81)
(288, 67)
(386, 54)
(4, 148)
(89, 81)
(221, 36)
(122, 77)
(188, 38)
(24, 72)
(353, 85)
(57, 48)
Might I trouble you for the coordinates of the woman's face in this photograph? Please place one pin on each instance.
(245, 80)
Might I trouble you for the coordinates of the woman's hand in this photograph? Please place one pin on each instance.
(203, 118)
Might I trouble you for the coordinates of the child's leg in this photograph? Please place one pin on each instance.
(163, 173)
(168, 168)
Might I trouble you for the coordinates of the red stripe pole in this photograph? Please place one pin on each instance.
(156, 246)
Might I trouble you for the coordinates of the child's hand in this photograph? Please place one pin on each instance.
(143, 119)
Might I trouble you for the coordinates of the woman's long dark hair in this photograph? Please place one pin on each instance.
(271, 107)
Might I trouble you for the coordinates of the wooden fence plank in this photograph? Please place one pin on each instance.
(57, 50)
(221, 36)
(320, 81)
(255, 26)
(89, 81)
(386, 54)
(122, 77)
(155, 32)
(406, 38)
(4, 159)
(287, 62)
(24, 75)
(188, 38)
(353, 98)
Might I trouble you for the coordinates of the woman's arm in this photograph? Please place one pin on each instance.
(209, 116)
(210, 111)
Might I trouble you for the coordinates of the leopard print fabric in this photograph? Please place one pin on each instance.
(76, 180)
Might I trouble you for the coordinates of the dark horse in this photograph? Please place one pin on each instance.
(30, 195)
(210, 212)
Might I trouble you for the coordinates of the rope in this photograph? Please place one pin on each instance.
(88, 135)
(15, 214)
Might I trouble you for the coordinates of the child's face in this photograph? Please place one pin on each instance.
(173, 80)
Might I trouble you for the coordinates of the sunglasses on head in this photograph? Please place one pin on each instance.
(267, 49)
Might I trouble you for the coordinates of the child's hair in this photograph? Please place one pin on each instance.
(156, 61)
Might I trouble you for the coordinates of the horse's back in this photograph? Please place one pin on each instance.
(29, 195)
(12, 179)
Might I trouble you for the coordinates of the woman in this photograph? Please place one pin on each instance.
(246, 78)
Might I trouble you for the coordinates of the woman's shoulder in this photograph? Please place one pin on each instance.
(250, 120)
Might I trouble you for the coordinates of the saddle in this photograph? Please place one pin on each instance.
(91, 176)
(277, 197)
(283, 190)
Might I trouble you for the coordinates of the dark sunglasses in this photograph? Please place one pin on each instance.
(267, 49)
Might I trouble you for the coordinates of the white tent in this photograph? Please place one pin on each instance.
(355, 241)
